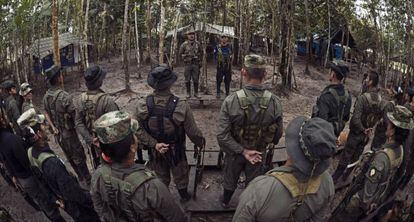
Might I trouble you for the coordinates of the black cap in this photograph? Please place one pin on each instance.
(94, 76)
(8, 84)
(161, 77)
(339, 68)
(52, 72)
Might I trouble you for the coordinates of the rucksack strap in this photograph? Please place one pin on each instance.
(38, 162)
(394, 160)
(52, 104)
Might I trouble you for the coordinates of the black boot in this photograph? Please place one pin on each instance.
(184, 194)
(188, 87)
(218, 84)
(227, 194)
(227, 87)
(196, 90)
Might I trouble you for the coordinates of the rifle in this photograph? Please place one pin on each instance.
(199, 156)
(94, 155)
(357, 184)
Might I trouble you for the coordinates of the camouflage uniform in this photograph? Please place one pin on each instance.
(301, 191)
(93, 104)
(179, 123)
(24, 90)
(59, 106)
(11, 106)
(190, 52)
(380, 174)
(128, 193)
(249, 119)
(368, 110)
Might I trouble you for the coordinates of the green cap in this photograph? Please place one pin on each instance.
(52, 72)
(401, 117)
(25, 89)
(114, 126)
(254, 61)
(30, 118)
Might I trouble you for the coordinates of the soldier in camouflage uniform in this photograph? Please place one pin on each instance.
(11, 105)
(93, 104)
(26, 93)
(280, 195)
(190, 52)
(121, 189)
(51, 170)
(61, 113)
(166, 120)
(334, 104)
(382, 168)
(250, 120)
(223, 54)
(368, 111)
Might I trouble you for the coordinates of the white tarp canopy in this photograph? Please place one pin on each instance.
(43, 47)
(210, 28)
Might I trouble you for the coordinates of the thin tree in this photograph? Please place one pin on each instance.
(161, 34)
(55, 33)
(328, 3)
(149, 27)
(138, 54)
(124, 47)
(308, 38)
(174, 39)
(85, 33)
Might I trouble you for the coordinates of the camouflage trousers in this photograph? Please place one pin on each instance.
(73, 150)
(42, 196)
(223, 73)
(234, 165)
(192, 72)
(164, 171)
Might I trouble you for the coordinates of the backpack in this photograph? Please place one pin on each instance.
(161, 126)
(374, 112)
(89, 106)
(341, 101)
(117, 190)
(254, 133)
(61, 120)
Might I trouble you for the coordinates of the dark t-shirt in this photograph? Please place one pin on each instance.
(14, 155)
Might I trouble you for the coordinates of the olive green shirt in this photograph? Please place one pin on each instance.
(152, 196)
(190, 52)
(182, 116)
(13, 112)
(104, 105)
(231, 114)
(267, 199)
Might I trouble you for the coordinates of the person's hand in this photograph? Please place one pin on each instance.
(60, 204)
(162, 147)
(368, 131)
(252, 156)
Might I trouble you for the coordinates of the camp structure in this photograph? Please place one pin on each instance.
(69, 45)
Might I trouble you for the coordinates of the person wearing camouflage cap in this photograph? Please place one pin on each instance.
(16, 166)
(334, 103)
(11, 104)
(250, 120)
(27, 93)
(51, 170)
(368, 111)
(123, 190)
(60, 112)
(91, 105)
(302, 189)
(384, 171)
(191, 54)
(165, 120)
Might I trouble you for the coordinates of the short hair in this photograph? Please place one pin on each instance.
(374, 77)
(55, 79)
(118, 151)
(255, 73)
(339, 76)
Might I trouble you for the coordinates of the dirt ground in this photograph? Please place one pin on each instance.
(299, 102)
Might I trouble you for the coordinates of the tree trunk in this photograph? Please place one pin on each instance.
(174, 43)
(137, 52)
(55, 33)
(85, 33)
(124, 46)
(285, 50)
(204, 79)
(308, 38)
(162, 32)
(149, 27)
(102, 39)
(328, 3)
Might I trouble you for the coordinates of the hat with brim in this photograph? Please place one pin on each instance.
(401, 117)
(25, 89)
(339, 69)
(161, 77)
(30, 118)
(114, 126)
(52, 72)
(94, 77)
(310, 144)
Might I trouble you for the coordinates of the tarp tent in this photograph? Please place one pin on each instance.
(210, 28)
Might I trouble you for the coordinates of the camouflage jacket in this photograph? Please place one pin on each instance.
(152, 196)
(191, 52)
(27, 105)
(232, 117)
(268, 199)
(13, 112)
(105, 104)
(182, 116)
